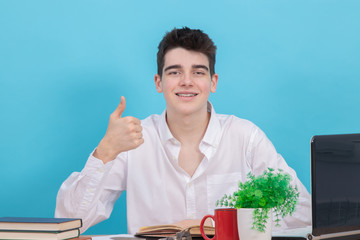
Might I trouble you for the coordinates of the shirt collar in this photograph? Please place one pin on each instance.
(212, 134)
(164, 131)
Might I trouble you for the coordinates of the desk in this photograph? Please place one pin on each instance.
(117, 237)
(110, 237)
(88, 237)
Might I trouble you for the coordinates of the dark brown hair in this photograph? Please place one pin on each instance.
(189, 39)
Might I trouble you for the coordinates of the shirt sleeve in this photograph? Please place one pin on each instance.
(263, 155)
(92, 193)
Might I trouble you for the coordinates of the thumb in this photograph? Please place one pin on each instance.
(121, 107)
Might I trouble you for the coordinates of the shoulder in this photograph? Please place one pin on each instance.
(150, 124)
(242, 129)
(151, 120)
(235, 123)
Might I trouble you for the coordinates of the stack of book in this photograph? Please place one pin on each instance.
(39, 228)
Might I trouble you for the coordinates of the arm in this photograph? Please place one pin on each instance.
(264, 155)
(91, 194)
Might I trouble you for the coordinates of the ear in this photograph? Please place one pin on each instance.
(158, 83)
(214, 80)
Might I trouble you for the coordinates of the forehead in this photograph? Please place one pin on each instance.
(185, 58)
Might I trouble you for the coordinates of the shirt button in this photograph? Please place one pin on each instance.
(190, 184)
(100, 170)
(85, 203)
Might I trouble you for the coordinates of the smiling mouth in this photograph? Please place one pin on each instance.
(186, 94)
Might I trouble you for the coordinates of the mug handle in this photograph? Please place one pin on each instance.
(202, 227)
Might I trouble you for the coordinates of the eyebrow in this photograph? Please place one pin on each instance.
(200, 66)
(172, 67)
(177, 66)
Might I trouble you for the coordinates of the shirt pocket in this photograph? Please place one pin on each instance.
(220, 184)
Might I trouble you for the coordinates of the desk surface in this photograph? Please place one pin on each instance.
(89, 237)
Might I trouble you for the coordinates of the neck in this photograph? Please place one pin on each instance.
(189, 128)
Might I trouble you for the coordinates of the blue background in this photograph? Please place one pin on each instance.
(291, 67)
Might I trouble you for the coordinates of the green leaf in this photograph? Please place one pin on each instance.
(262, 202)
(258, 194)
(270, 190)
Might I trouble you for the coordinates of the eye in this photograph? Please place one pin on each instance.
(199, 73)
(174, 73)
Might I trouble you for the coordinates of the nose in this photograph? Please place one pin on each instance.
(186, 80)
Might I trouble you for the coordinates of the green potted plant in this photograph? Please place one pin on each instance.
(261, 195)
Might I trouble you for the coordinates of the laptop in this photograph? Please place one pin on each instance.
(335, 189)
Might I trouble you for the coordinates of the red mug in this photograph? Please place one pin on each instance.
(225, 224)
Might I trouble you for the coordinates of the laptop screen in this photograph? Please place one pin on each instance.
(335, 169)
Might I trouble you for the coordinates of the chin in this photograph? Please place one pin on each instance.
(189, 110)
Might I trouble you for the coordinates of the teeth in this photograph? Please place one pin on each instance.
(186, 94)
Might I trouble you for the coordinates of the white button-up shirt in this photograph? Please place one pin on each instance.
(159, 191)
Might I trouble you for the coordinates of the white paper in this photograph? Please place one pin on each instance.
(116, 237)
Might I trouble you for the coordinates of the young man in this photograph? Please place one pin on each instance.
(174, 166)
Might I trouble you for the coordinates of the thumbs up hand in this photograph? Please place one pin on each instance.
(123, 134)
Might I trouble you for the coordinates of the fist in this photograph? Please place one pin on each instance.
(123, 134)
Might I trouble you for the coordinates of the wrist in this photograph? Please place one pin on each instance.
(104, 153)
